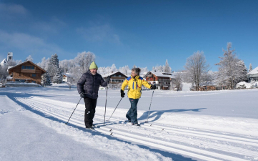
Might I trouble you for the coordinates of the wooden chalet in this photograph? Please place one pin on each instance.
(26, 72)
(116, 80)
(164, 81)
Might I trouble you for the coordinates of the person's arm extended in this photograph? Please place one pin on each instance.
(104, 83)
(146, 84)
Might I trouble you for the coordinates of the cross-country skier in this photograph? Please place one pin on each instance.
(88, 87)
(134, 83)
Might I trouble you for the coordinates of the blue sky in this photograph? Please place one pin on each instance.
(142, 33)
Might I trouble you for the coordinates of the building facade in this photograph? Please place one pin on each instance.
(26, 72)
(163, 81)
(116, 79)
(253, 75)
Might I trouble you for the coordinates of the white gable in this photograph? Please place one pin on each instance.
(254, 71)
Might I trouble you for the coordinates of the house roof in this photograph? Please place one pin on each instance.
(162, 74)
(27, 62)
(254, 71)
(110, 74)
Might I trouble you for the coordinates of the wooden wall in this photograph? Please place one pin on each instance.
(26, 74)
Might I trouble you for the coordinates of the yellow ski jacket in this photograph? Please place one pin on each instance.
(134, 86)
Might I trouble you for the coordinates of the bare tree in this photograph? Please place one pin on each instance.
(84, 60)
(196, 67)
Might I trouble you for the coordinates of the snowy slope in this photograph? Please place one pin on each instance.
(177, 128)
(27, 136)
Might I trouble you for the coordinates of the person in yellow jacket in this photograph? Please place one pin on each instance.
(134, 83)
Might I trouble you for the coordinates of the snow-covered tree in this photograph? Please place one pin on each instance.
(125, 70)
(44, 63)
(231, 69)
(84, 60)
(250, 67)
(53, 68)
(158, 68)
(167, 68)
(45, 81)
(58, 78)
(29, 58)
(196, 66)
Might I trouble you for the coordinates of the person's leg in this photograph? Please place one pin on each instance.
(134, 103)
(88, 109)
(93, 109)
(128, 114)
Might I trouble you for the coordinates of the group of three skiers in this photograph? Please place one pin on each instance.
(88, 87)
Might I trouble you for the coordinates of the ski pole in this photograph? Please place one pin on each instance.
(105, 106)
(150, 107)
(73, 111)
(115, 108)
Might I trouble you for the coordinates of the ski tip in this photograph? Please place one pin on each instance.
(110, 129)
(111, 134)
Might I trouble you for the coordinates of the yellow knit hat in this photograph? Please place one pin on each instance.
(93, 66)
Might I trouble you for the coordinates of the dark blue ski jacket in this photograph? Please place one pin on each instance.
(89, 84)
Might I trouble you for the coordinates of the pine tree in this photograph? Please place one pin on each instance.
(167, 68)
(54, 70)
(250, 67)
(58, 78)
(45, 81)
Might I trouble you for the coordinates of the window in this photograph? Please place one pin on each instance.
(27, 67)
(33, 75)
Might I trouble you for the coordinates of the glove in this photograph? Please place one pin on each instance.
(122, 93)
(153, 87)
(82, 95)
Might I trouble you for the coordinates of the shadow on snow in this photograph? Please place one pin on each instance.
(154, 114)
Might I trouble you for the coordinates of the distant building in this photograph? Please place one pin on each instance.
(253, 75)
(116, 79)
(26, 72)
(9, 58)
(163, 80)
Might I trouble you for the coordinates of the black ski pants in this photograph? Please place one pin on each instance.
(90, 106)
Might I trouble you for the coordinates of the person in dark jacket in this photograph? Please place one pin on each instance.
(88, 87)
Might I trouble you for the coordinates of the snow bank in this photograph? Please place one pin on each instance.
(247, 85)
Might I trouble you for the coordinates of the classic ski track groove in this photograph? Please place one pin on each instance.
(123, 133)
(167, 128)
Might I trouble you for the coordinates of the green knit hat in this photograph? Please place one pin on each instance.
(93, 66)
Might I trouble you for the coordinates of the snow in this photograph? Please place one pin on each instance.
(186, 86)
(254, 71)
(185, 125)
(252, 84)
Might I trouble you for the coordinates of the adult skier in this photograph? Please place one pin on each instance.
(134, 83)
(88, 87)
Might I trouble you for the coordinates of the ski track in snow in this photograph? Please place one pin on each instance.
(195, 143)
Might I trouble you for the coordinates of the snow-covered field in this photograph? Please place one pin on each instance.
(215, 125)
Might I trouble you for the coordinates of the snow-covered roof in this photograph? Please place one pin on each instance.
(109, 74)
(163, 74)
(68, 75)
(254, 71)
